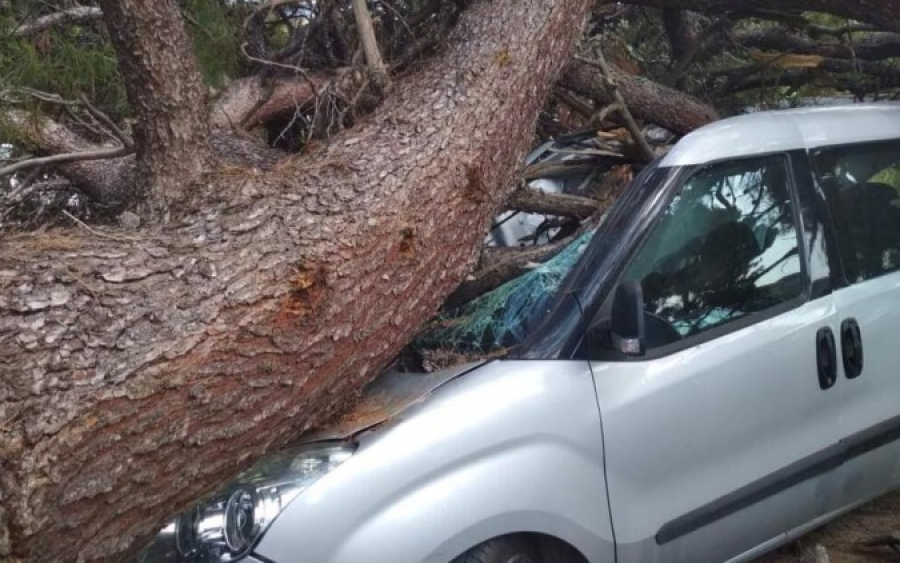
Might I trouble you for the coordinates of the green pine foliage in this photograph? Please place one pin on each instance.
(73, 60)
(69, 60)
(216, 33)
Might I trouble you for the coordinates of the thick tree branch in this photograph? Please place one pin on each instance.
(374, 61)
(501, 266)
(536, 201)
(883, 13)
(171, 133)
(78, 15)
(797, 20)
(647, 100)
(578, 167)
(871, 47)
(646, 151)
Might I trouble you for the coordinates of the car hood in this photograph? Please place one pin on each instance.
(385, 398)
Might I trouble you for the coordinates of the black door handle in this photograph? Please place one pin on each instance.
(826, 358)
(852, 348)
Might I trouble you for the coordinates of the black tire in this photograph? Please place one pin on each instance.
(507, 549)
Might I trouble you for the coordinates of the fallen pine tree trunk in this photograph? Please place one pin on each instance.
(138, 369)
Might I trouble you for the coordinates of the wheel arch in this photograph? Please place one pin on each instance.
(551, 548)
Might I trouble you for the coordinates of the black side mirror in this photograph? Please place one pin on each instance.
(627, 320)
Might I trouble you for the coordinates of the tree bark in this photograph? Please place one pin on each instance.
(167, 95)
(883, 13)
(536, 201)
(377, 68)
(647, 100)
(138, 370)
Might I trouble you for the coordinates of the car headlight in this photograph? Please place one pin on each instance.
(226, 526)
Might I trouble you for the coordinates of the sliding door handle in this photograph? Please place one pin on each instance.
(826, 358)
(851, 348)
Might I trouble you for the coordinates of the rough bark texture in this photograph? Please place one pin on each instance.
(536, 201)
(883, 13)
(647, 100)
(138, 370)
(166, 93)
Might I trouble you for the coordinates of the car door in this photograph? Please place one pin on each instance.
(862, 183)
(716, 439)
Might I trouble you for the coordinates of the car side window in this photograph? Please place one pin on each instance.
(862, 187)
(725, 247)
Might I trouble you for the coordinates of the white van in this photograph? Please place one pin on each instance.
(718, 375)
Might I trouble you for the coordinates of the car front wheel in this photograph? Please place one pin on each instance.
(507, 549)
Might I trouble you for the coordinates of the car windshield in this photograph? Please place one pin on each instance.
(535, 310)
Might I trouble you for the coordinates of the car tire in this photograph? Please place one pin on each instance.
(507, 549)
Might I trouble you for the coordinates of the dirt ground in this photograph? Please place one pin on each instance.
(841, 538)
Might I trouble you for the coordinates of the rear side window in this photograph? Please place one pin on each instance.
(725, 247)
(862, 186)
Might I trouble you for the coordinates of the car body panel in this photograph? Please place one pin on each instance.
(684, 432)
(513, 446)
(870, 402)
(386, 397)
(785, 131)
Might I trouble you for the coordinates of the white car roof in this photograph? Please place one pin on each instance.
(786, 130)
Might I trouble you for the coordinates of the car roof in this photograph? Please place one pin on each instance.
(786, 130)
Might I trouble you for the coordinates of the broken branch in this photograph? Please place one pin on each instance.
(501, 266)
(537, 201)
(374, 61)
(646, 150)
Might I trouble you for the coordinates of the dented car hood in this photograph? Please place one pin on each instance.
(386, 397)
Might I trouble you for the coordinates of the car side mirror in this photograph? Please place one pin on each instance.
(627, 319)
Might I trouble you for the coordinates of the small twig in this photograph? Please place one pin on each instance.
(301, 71)
(66, 157)
(646, 150)
(20, 190)
(47, 97)
(19, 193)
(587, 152)
(106, 120)
(351, 105)
(96, 232)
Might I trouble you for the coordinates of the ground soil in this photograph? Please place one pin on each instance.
(841, 538)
